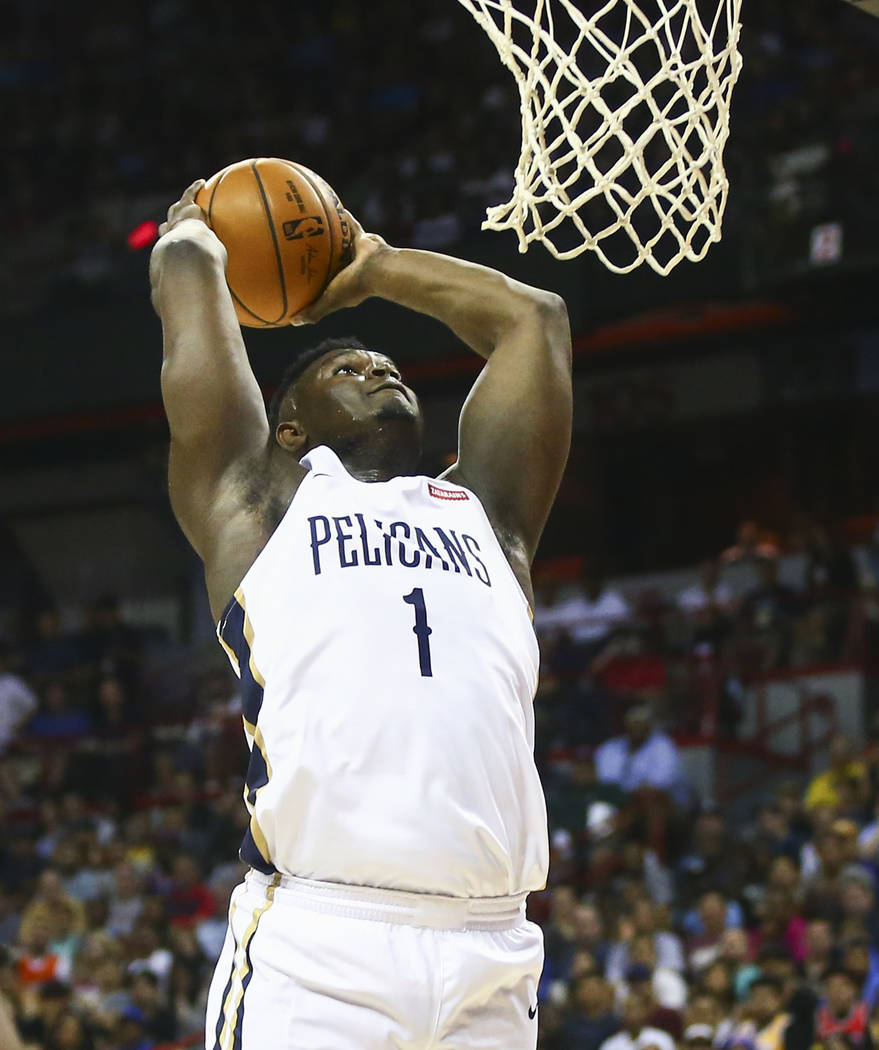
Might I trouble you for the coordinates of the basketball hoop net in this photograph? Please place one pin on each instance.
(625, 114)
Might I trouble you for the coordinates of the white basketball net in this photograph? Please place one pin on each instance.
(625, 114)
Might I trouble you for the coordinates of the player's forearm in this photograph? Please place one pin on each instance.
(207, 383)
(479, 304)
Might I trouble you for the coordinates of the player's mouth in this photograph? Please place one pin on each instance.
(391, 385)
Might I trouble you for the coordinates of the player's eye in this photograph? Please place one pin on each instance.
(345, 368)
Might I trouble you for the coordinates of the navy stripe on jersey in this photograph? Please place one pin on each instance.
(252, 856)
(232, 632)
(257, 773)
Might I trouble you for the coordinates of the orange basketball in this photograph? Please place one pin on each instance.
(286, 234)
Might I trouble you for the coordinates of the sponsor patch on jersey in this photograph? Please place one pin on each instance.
(440, 493)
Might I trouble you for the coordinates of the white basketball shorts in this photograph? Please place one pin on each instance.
(323, 966)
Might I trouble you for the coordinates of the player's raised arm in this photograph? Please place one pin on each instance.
(214, 405)
(515, 427)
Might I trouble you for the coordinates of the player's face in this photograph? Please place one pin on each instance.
(345, 390)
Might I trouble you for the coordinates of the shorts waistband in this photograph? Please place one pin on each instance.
(398, 906)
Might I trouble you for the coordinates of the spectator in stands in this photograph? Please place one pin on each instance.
(635, 1033)
(148, 950)
(819, 950)
(668, 987)
(707, 1011)
(631, 665)
(860, 958)
(51, 904)
(146, 995)
(41, 1011)
(735, 951)
(112, 646)
(766, 618)
(58, 719)
(641, 980)
(37, 963)
(17, 701)
(698, 1037)
(130, 1030)
(704, 947)
(570, 802)
(711, 862)
(188, 998)
(590, 615)
(116, 762)
(97, 948)
(753, 544)
(69, 1032)
(842, 1015)
(550, 1028)
(710, 592)
(824, 790)
(645, 762)
(831, 573)
(643, 920)
(857, 898)
(126, 900)
(868, 841)
(779, 923)
(110, 997)
(590, 1019)
(765, 1020)
(189, 900)
(643, 757)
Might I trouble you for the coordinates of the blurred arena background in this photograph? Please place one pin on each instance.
(708, 583)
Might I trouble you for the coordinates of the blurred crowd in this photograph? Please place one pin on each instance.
(669, 921)
(690, 652)
(110, 111)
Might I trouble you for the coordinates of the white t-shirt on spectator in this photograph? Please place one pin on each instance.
(694, 599)
(669, 989)
(669, 955)
(646, 1037)
(159, 962)
(17, 703)
(122, 915)
(584, 620)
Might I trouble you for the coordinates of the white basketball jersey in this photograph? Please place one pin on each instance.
(388, 669)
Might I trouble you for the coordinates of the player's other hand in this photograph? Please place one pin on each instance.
(351, 285)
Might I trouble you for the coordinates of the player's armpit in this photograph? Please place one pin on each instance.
(515, 429)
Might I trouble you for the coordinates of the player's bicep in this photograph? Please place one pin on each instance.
(515, 426)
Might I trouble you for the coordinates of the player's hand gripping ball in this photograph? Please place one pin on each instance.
(285, 232)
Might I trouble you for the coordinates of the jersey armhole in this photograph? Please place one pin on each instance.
(269, 543)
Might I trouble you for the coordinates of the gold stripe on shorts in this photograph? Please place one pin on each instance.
(232, 1005)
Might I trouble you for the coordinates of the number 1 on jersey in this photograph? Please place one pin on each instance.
(421, 630)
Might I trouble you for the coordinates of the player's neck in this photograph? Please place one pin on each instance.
(379, 457)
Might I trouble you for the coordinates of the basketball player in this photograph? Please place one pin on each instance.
(379, 621)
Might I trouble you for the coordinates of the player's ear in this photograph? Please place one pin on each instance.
(291, 436)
